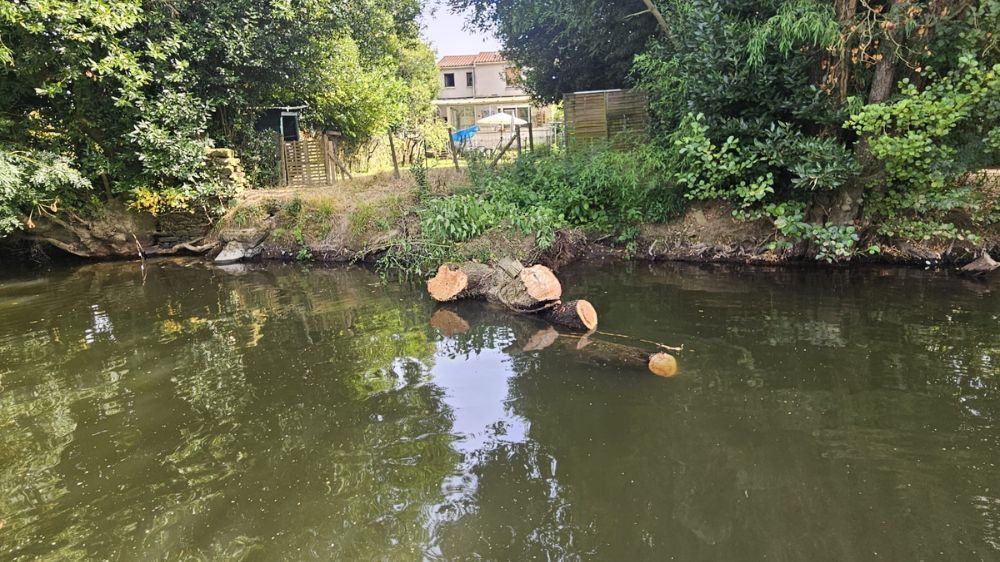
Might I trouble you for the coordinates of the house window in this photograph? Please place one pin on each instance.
(468, 79)
(449, 80)
(519, 112)
(512, 76)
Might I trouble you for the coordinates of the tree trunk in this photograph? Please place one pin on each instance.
(521, 289)
(524, 289)
(660, 363)
(392, 152)
(531, 337)
(578, 315)
(845, 205)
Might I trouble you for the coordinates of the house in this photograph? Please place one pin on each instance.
(477, 86)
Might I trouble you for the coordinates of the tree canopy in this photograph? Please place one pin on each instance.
(125, 95)
(824, 116)
(565, 45)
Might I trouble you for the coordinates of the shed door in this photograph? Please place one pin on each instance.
(290, 126)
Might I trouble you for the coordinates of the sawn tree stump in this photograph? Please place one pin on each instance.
(531, 290)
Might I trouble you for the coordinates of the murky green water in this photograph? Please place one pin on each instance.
(285, 413)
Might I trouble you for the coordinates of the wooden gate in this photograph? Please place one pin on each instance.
(304, 163)
(616, 116)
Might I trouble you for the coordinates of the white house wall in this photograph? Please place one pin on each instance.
(460, 90)
(488, 82)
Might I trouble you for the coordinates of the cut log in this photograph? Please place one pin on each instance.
(531, 335)
(660, 363)
(521, 289)
(508, 283)
(576, 315)
(981, 266)
(524, 289)
(459, 281)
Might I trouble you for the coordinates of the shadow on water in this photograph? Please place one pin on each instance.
(281, 412)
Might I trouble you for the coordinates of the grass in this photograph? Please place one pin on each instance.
(249, 215)
(363, 207)
(361, 220)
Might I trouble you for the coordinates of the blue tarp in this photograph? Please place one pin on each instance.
(465, 134)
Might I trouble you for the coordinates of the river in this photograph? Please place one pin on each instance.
(284, 412)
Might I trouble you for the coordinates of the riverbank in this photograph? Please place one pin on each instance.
(366, 220)
(374, 219)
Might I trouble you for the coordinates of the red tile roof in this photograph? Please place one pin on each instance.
(469, 60)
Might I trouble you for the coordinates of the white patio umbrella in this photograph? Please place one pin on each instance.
(501, 119)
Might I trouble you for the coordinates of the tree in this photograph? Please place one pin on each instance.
(129, 93)
(566, 45)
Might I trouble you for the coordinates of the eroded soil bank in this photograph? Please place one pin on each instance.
(359, 220)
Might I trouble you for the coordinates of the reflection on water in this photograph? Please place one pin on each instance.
(277, 412)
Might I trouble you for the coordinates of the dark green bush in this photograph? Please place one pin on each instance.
(599, 189)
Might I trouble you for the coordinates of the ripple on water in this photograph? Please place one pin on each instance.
(280, 412)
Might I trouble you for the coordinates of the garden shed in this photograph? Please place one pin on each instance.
(283, 120)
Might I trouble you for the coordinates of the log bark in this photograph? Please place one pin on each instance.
(526, 290)
(531, 336)
(523, 289)
(577, 314)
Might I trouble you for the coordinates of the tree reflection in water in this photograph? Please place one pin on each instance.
(286, 413)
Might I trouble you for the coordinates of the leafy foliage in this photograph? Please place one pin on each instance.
(928, 141)
(34, 181)
(796, 110)
(599, 189)
(795, 24)
(131, 92)
(565, 45)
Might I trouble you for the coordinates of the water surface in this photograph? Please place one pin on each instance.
(279, 412)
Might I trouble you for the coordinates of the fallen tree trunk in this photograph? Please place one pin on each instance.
(532, 336)
(533, 289)
(509, 283)
(578, 315)
(660, 363)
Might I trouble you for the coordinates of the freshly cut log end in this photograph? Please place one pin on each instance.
(540, 283)
(576, 315)
(459, 281)
(662, 364)
(449, 282)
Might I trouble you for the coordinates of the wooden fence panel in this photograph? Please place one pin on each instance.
(618, 116)
(305, 163)
(585, 118)
(628, 118)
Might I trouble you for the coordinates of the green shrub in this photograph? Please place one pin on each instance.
(36, 180)
(599, 189)
(928, 141)
(419, 170)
